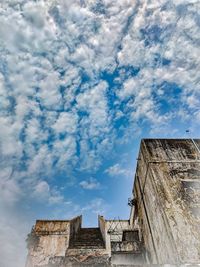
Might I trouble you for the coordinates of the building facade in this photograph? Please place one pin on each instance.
(167, 200)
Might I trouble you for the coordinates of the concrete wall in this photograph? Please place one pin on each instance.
(125, 246)
(127, 259)
(75, 225)
(115, 229)
(112, 231)
(104, 231)
(102, 226)
(50, 240)
(165, 200)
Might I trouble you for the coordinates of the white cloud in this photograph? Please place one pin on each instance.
(65, 151)
(53, 43)
(10, 191)
(49, 86)
(13, 231)
(44, 193)
(66, 122)
(90, 184)
(97, 206)
(41, 189)
(94, 102)
(35, 14)
(117, 170)
(130, 88)
(9, 137)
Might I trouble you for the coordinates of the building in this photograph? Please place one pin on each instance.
(167, 200)
(164, 223)
(66, 243)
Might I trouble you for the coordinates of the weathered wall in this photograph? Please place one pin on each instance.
(102, 226)
(50, 240)
(112, 231)
(166, 172)
(128, 259)
(115, 228)
(125, 246)
(75, 225)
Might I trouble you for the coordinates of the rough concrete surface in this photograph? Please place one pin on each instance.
(167, 191)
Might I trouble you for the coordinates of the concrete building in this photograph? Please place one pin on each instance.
(164, 223)
(66, 243)
(166, 204)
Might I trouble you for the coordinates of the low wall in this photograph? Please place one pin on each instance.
(48, 239)
(125, 246)
(47, 227)
(75, 225)
(127, 259)
(112, 230)
(104, 231)
(115, 229)
(102, 226)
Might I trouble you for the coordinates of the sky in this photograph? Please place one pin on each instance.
(81, 82)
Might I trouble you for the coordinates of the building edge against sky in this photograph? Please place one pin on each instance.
(164, 221)
(167, 200)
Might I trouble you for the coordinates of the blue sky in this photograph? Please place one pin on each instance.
(81, 82)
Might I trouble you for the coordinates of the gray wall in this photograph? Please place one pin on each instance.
(51, 240)
(164, 211)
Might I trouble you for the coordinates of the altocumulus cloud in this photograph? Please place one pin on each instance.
(79, 77)
(90, 184)
(117, 170)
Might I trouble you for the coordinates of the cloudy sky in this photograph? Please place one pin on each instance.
(81, 82)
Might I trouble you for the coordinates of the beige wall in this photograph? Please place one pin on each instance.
(75, 225)
(102, 226)
(169, 229)
(52, 240)
(116, 228)
(112, 231)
